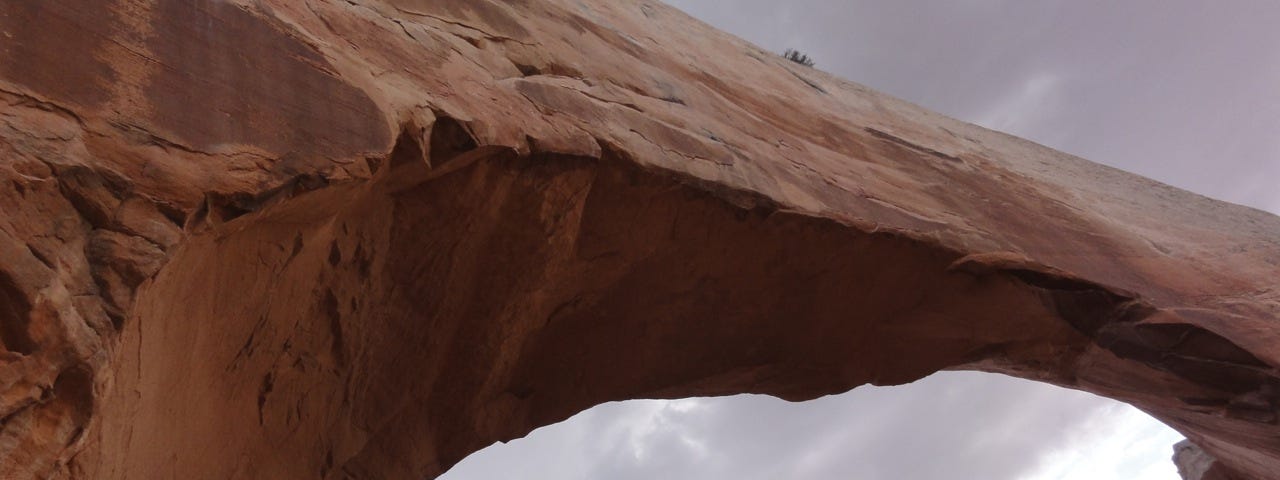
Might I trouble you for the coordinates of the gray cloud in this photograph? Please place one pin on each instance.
(952, 425)
(1182, 91)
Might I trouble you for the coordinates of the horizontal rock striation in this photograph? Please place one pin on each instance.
(362, 239)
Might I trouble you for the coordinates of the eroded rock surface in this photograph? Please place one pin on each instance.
(362, 239)
(1195, 464)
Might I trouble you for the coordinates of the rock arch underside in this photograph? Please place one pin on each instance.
(362, 239)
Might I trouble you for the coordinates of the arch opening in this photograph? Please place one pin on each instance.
(948, 425)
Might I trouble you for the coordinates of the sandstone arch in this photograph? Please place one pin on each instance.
(447, 246)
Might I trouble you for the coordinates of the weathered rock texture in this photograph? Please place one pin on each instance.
(362, 239)
(1195, 464)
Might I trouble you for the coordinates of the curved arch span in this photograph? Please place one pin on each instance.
(389, 328)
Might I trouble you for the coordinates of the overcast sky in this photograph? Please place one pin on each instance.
(1186, 92)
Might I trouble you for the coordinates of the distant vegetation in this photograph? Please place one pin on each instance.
(796, 56)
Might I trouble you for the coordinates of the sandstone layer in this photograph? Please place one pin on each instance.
(362, 239)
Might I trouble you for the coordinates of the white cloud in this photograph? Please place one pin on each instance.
(1021, 110)
(1121, 443)
(951, 425)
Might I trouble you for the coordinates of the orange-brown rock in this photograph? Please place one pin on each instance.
(362, 239)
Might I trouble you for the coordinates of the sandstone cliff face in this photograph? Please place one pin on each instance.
(362, 239)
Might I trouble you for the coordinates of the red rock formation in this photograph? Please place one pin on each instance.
(362, 239)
